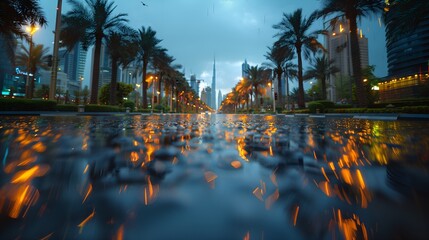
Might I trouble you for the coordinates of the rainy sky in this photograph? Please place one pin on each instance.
(197, 31)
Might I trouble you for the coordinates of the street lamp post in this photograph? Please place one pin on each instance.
(273, 96)
(28, 85)
(53, 84)
(153, 94)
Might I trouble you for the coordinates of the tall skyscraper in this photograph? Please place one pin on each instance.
(209, 96)
(73, 64)
(204, 95)
(339, 50)
(105, 66)
(407, 58)
(244, 69)
(407, 54)
(194, 83)
(219, 99)
(213, 93)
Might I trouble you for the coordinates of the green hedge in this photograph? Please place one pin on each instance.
(322, 105)
(67, 108)
(19, 104)
(403, 103)
(412, 109)
(102, 108)
(130, 104)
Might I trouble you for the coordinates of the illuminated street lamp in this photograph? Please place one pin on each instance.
(273, 97)
(32, 29)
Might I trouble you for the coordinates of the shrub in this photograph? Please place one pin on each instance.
(322, 105)
(15, 104)
(129, 104)
(102, 108)
(314, 107)
(416, 109)
(343, 106)
(67, 108)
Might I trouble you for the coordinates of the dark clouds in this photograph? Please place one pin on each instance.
(194, 31)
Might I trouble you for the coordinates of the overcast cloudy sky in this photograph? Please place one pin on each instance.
(196, 31)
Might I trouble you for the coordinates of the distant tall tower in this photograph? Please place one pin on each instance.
(105, 68)
(244, 69)
(73, 63)
(219, 99)
(213, 95)
(194, 83)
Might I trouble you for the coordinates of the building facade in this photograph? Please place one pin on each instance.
(213, 89)
(339, 50)
(407, 59)
(244, 69)
(105, 66)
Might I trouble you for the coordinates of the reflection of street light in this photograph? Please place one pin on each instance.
(28, 86)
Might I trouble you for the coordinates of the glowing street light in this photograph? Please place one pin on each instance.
(32, 29)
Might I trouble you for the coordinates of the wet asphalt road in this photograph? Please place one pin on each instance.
(212, 177)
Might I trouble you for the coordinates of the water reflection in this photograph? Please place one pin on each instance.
(227, 176)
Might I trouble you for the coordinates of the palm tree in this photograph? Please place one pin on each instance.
(90, 24)
(290, 71)
(148, 47)
(39, 59)
(293, 32)
(244, 90)
(278, 57)
(14, 14)
(257, 77)
(162, 63)
(122, 45)
(352, 10)
(320, 68)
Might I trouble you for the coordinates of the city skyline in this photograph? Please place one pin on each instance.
(233, 30)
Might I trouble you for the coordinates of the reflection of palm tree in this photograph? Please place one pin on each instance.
(352, 10)
(319, 69)
(122, 45)
(39, 59)
(90, 23)
(148, 47)
(278, 57)
(294, 33)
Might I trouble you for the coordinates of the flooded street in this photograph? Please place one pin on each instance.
(213, 177)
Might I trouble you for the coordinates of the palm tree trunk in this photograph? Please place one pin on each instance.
(113, 83)
(356, 63)
(31, 92)
(256, 97)
(160, 86)
(279, 88)
(287, 92)
(96, 71)
(301, 102)
(145, 85)
(323, 82)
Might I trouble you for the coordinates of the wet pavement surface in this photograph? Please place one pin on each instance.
(213, 177)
